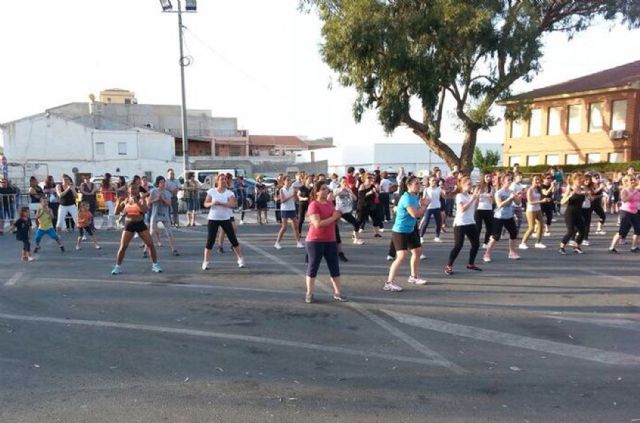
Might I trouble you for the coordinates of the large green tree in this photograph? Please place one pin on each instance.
(396, 53)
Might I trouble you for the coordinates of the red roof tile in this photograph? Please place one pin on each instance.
(620, 76)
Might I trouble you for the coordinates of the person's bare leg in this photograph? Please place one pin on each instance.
(311, 283)
(283, 229)
(415, 262)
(393, 269)
(337, 286)
(124, 244)
(146, 238)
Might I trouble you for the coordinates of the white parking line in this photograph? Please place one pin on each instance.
(518, 341)
(618, 278)
(13, 280)
(609, 323)
(422, 349)
(216, 335)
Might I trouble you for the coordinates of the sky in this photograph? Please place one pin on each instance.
(255, 60)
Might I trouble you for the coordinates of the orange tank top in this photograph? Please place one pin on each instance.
(132, 210)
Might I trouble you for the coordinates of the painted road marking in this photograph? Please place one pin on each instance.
(13, 280)
(216, 335)
(518, 341)
(605, 275)
(609, 323)
(416, 345)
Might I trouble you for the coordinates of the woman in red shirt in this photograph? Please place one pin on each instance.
(321, 240)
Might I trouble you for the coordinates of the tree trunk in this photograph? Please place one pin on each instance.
(438, 147)
(468, 147)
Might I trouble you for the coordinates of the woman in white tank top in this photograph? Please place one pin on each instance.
(534, 213)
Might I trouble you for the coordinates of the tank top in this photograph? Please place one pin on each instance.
(632, 203)
(485, 201)
(576, 200)
(68, 199)
(133, 210)
(535, 196)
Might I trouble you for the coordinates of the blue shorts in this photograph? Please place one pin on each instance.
(288, 214)
(51, 232)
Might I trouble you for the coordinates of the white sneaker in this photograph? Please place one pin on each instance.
(547, 233)
(299, 245)
(585, 243)
(98, 247)
(486, 258)
(391, 286)
(436, 239)
(539, 245)
(484, 246)
(242, 222)
(601, 232)
(523, 246)
(77, 247)
(389, 258)
(572, 243)
(358, 241)
(241, 262)
(423, 257)
(421, 240)
(84, 237)
(360, 230)
(417, 281)
(277, 246)
(514, 256)
(205, 265)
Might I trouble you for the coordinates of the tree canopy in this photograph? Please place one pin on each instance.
(396, 51)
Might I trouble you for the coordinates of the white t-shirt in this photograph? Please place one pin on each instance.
(434, 196)
(466, 217)
(290, 204)
(385, 185)
(485, 202)
(516, 188)
(220, 212)
(535, 196)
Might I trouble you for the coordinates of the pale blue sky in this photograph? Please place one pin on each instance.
(253, 59)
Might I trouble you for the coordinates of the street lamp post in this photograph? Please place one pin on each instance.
(184, 62)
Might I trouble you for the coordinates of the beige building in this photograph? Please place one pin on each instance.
(116, 96)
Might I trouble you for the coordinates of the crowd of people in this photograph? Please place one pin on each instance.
(500, 203)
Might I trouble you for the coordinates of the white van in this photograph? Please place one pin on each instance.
(206, 176)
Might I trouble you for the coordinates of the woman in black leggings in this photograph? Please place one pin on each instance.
(464, 225)
(573, 219)
(367, 207)
(596, 204)
(548, 189)
(484, 210)
(344, 198)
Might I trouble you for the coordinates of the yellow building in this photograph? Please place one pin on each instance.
(118, 96)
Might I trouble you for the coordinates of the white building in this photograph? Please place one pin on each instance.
(414, 157)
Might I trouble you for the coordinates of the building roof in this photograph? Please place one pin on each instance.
(291, 141)
(619, 77)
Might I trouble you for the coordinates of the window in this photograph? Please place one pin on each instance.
(572, 159)
(100, 149)
(235, 150)
(575, 124)
(595, 117)
(122, 148)
(553, 121)
(553, 159)
(516, 128)
(593, 158)
(533, 160)
(615, 158)
(535, 123)
(619, 115)
(513, 160)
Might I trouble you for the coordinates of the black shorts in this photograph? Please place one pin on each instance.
(628, 221)
(136, 227)
(403, 241)
(508, 224)
(87, 229)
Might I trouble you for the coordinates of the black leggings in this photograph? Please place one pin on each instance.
(364, 213)
(316, 250)
(226, 226)
(302, 212)
(575, 223)
(351, 219)
(586, 218)
(459, 232)
(596, 207)
(547, 210)
(485, 216)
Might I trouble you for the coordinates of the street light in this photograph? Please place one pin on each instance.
(191, 7)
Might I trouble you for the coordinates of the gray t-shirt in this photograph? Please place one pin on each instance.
(160, 210)
(505, 212)
(171, 185)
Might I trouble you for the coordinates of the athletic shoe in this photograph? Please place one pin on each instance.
(578, 250)
(613, 251)
(205, 265)
(176, 253)
(360, 230)
(342, 257)
(159, 244)
(31, 258)
(155, 268)
(277, 246)
(308, 298)
(514, 256)
(547, 233)
(390, 258)
(523, 246)
(358, 241)
(448, 270)
(634, 250)
(241, 262)
(144, 254)
(416, 280)
(381, 229)
(84, 237)
(562, 251)
(98, 247)
(36, 250)
(539, 245)
(220, 249)
(484, 246)
(421, 240)
(242, 222)
(473, 267)
(585, 243)
(299, 245)
(436, 239)
(392, 287)
(62, 248)
(423, 257)
(486, 258)
(116, 270)
(340, 298)
(601, 232)
(572, 243)
(77, 247)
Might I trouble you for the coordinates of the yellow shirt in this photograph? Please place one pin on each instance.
(44, 220)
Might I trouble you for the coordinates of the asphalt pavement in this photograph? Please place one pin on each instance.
(548, 338)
